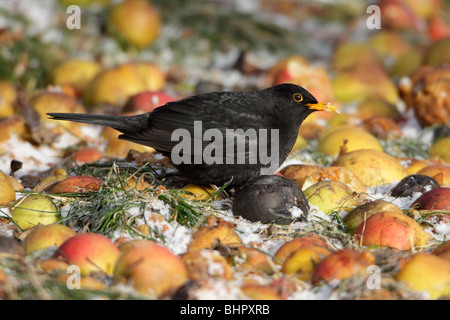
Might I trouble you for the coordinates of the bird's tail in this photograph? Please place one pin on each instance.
(125, 124)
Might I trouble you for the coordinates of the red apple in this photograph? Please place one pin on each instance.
(436, 199)
(91, 252)
(392, 229)
(437, 29)
(86, 155)
(147, 101)
(342, 264)
(297, 70)
(77, 184)
(43, 237)
(396, 15)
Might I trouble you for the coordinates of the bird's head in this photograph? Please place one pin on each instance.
(294, 100)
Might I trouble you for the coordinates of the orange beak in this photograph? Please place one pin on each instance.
(320, 106)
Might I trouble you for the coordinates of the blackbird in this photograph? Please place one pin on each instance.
(217, 137)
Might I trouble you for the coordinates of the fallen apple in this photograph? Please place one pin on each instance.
(205, 264)
(363, 55)
(342, 264)
(8, 97)
(436, 199)
(260, 292)
(52, 265)
(116, 85)
(297, 70)
(13, 125)
(443, 250)
(372, 107)
(136, 21)
(389, 44)
(208, 236)
(86, 155)
(43, 237)
(437, 53)
(91, 252)
(75, 72)
(441, 149)
(362, 82)
(248, 258)
(415, 165)
(147, 101)
(329, 195)
(372, 167)
(300, 242)
(120, 148)
(341, 174)
(32, 210)
(7, 192)
(83, 282)
(48, 182)
(392, 229)
(349, 137)
(126, 245)
(153, 76)
(151, 269)
(362, 212)
(440, 173)
(198, 193)
(299, 172)
(46, 102)
(428, 273)
(302, 262)
(77, 184)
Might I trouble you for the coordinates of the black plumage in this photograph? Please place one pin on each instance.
(277, 111)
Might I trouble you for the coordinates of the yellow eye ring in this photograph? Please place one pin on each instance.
(297, 97)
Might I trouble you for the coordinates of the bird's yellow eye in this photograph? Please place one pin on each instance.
(297, 97)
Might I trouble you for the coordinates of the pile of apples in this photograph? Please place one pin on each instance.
(361, 79)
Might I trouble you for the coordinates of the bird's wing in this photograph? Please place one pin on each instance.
(218, 111)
